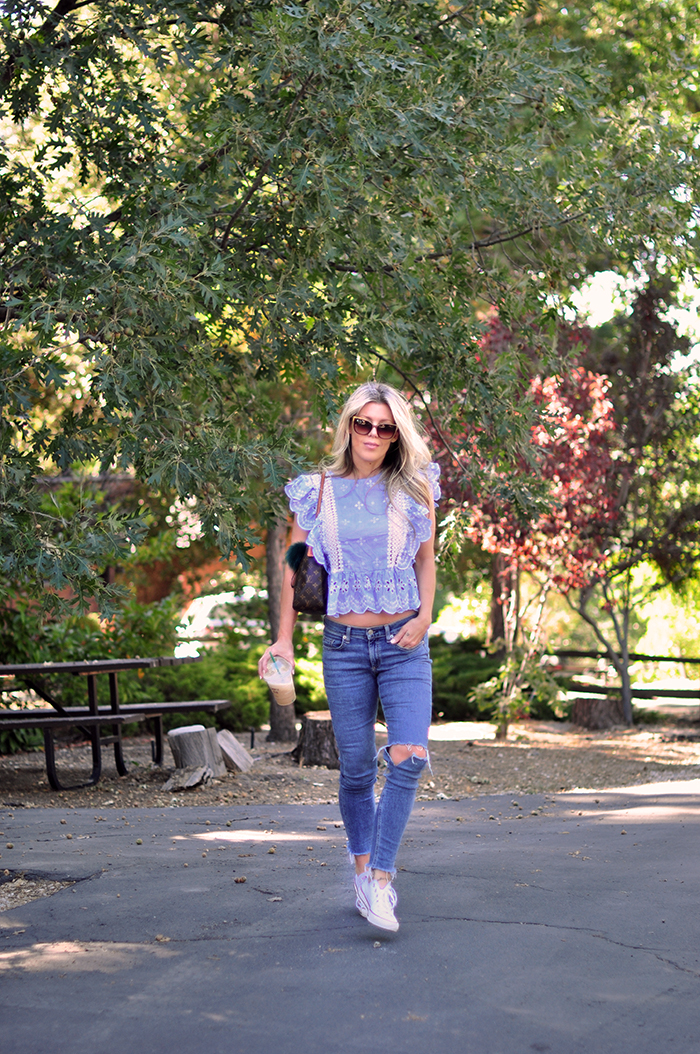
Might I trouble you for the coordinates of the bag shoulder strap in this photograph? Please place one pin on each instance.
(320, 493)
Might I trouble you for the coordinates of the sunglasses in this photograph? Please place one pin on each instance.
(362, 427)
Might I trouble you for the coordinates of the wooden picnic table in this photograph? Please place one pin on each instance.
(92, 717)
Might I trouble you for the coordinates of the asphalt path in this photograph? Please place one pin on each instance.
(563, 926)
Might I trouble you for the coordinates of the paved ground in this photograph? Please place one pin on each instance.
(568, 926)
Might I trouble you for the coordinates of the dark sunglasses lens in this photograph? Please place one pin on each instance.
(362, 427)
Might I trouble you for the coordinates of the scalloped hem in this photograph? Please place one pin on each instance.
(361, 602)
(357, 610)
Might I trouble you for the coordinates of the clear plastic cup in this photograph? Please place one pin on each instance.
(278, 677)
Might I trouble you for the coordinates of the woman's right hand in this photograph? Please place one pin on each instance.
(282, 647)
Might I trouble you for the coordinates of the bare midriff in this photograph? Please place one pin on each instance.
(370, 618)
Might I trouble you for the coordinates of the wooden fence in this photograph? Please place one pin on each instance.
(637, 693)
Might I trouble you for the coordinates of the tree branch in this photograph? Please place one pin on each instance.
(7, 313)
(264, 170)
(460, 14)
(254, 186)
(580, 609)
(484, 243)
(420, 395)
(48, 27)
(620, 630)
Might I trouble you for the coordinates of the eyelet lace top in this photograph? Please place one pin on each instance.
(367, 545)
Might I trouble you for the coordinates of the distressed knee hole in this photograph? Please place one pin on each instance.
(403, 751)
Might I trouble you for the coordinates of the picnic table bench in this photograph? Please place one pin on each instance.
(92, 717)
(153, 713)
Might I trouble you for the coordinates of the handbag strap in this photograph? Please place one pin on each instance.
(320, 493)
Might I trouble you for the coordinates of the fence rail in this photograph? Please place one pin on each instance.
(638, 693)
(574, 654)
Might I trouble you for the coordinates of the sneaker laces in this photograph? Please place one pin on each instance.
(387, 891)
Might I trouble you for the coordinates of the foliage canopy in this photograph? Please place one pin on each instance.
(198, 197)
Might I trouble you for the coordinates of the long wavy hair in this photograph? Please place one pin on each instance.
(403, 468)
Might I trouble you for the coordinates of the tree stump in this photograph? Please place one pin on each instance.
(236, 757)
(600, 712)
(195, 745)
(187, 778)
(316, 745)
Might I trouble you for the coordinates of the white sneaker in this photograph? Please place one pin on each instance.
(381, 902)
(361, 901)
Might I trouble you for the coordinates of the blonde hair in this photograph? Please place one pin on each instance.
(403, 468)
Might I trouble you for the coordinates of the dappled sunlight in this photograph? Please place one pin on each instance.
(660, 811)
(639, 743)
(250, 836)
(80, 957)
(678, 789)
(643, 803)
(455, 731)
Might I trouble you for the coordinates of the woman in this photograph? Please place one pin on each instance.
(375, 535)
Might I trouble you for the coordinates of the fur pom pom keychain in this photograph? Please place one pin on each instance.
(295, 554)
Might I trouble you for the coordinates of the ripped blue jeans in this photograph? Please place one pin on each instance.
(361, 666)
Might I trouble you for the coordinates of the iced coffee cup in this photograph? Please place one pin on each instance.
(278, 676)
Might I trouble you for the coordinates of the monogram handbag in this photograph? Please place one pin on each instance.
(310, 579)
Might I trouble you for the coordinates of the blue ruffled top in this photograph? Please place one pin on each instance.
(367, 545)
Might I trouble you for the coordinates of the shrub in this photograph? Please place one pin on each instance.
(136, 630)
(457, 668)
(227, 671)
(12, 740)
(536, 693)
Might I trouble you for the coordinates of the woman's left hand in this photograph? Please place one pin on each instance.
(411, 633)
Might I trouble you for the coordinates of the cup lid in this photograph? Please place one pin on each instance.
(278, 670)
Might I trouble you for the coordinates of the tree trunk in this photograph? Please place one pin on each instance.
(317, 744)
(620, 660)
(497, 629)
(504, 618)
(275, 545)
(502, 726)
(626, 691)
(282, 718)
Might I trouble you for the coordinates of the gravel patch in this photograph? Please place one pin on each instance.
(17, 890)
(537, 757)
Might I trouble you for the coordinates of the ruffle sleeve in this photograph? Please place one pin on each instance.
(303, 498)
(419, 518)
(422, 529)
(432, 471)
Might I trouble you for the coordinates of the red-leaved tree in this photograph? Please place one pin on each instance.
(615, 448)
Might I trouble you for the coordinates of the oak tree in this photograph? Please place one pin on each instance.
(196, 196)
